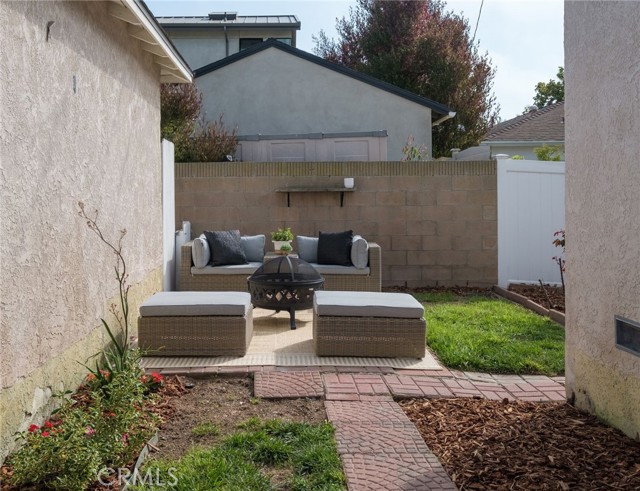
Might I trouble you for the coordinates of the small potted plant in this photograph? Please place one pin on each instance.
(280, 237)
(285, 248)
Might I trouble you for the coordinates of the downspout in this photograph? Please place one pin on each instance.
(443, 118)
(226, 42)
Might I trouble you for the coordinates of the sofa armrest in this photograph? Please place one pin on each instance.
(375, 262)
(186, 259)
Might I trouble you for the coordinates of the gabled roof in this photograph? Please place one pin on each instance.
(438, 111)
(144, 29)
(542, 125)
(240, 21)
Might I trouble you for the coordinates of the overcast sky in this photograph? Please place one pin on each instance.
(524, 38)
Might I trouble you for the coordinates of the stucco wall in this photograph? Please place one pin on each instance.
(200, 47)
(79, 122)
(602, 206)
(435, 221)
(276, 93)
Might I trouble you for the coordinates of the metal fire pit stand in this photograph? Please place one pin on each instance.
(285, 283)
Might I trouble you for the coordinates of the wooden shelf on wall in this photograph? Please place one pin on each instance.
(341, 190)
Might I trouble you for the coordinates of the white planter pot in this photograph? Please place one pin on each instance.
(277, 244)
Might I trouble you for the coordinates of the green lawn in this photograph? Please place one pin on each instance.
(487, 334)
(260, 456)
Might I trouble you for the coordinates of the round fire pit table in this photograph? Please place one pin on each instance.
(285, 283)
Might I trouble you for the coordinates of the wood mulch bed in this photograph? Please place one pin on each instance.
(550, 297)
(514, 445)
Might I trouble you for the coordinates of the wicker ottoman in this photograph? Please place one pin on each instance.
(196, 324)
(373, 324)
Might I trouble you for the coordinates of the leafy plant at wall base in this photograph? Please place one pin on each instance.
(517, 157)
(559, 241)
(103, 425)
(117, 358)
(91, 430)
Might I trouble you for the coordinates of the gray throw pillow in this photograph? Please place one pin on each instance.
(226, 247)
(253, 247)
(335, 248)
(200, 252)
(359, 252)
(307, 248)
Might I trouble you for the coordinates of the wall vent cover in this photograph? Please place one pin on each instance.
(627, 335)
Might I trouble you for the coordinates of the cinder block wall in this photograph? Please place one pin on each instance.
(435, 221)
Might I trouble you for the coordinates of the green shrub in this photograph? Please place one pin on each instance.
(103, 425)
(182, 123)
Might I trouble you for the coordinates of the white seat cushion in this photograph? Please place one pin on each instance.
(367, 304)
(179, 304)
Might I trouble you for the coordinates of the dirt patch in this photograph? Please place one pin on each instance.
(224, 402)
(492, 445)
(549, 297)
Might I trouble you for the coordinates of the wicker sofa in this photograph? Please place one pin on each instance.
(234, 278)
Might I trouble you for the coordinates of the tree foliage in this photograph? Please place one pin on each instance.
(182, 123)
(419, 46)
(551, 91)
(549, 153)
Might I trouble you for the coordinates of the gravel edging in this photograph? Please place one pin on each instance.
(554, 315)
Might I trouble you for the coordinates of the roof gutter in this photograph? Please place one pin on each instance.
(443, 118)
(139, 9)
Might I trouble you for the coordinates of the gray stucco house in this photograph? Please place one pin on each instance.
(275, 91)
(520, 135)
(205, 39)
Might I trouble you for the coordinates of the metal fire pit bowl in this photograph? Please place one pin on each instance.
(285, 283)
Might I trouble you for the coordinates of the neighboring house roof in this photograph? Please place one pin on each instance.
(230, 19)
(542, 125)
(144, 27)
(438, 111)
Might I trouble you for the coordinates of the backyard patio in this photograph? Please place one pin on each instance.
(274, 343)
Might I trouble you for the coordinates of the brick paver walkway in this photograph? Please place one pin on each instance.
(370, 386)
(380, 448)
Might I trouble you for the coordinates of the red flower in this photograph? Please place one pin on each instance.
(90, 377)
(144, 379)
(48, 424)
(157, 378)
(89, 431)
(45, 433)
(33, 428)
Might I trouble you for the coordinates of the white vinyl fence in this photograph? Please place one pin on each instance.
(530, 210)
(168, 216)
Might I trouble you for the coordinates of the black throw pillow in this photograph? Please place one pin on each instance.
(226, 247)
(335, 248)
